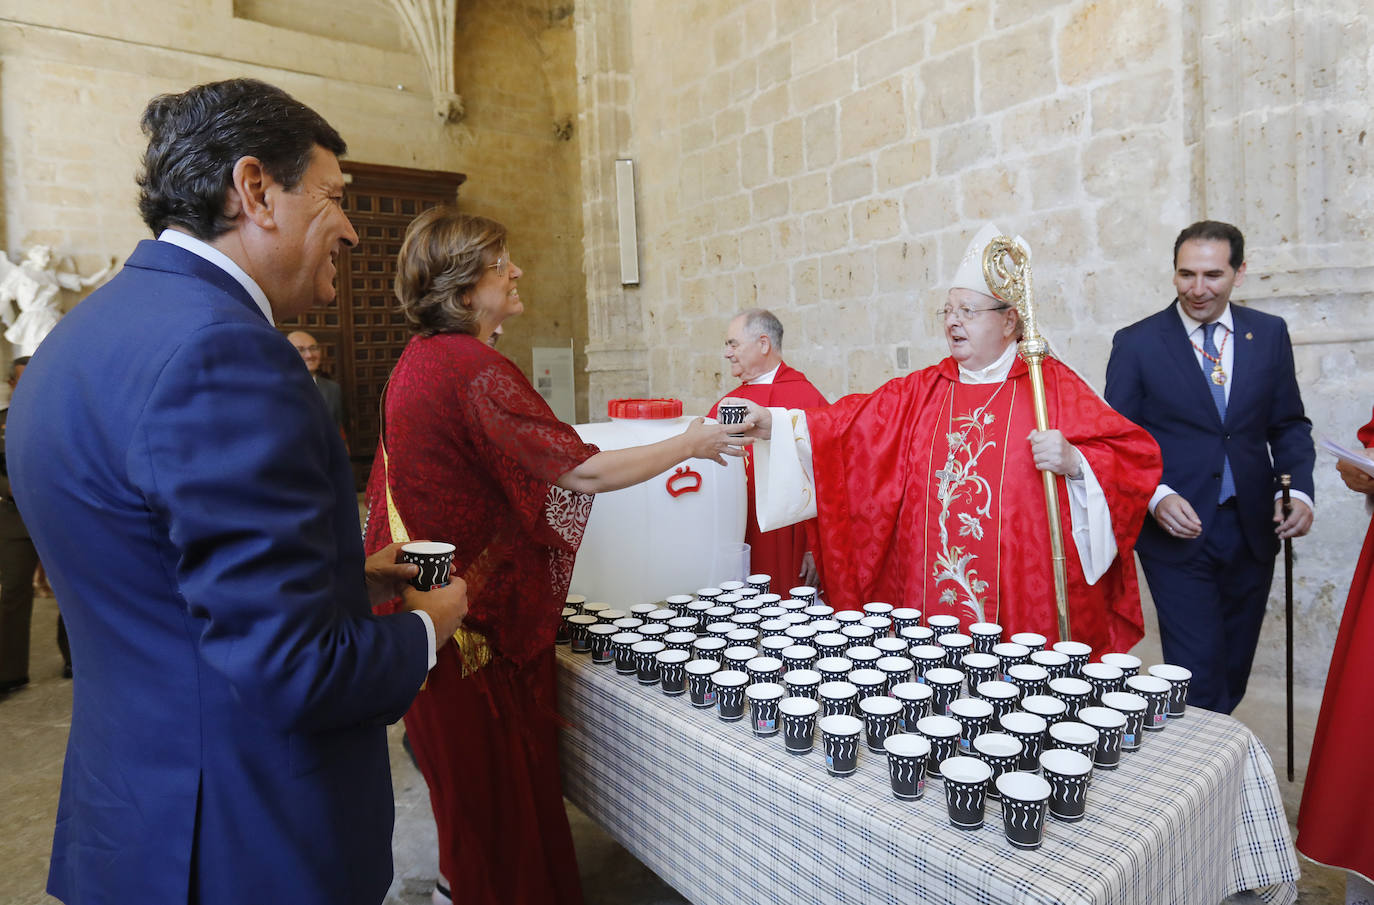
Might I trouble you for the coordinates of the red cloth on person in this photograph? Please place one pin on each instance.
(882, 462)
(1334, 826)
(777, 554)
(473, 453)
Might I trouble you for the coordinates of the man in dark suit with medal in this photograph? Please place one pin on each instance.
(1215, 385)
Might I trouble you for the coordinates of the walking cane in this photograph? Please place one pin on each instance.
(1286, 481)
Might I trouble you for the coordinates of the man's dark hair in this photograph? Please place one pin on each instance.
(1214, 231)
(20, 362)
(195, 138)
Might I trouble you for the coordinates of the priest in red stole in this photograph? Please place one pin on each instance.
(928, 492)
(753, 346)
(1334, 826)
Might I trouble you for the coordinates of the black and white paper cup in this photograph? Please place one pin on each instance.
(1011, 654)
(732, 413)
(708, 647)
(1068, 773)
(578, 638)
(1025, 798)
(906, 765)
(943, 734)
(798, 656)
(1029, 730)
(1001, 751)
(1179, 679)
(880, 715)
(975, 717)
(966, 788)
(870, 682)
(1111, 730)
(1129, 664)
(1029, 678)
(980, 668)
(434, 559)
(1047, 707)
(1133, 707)
(985, 635)
(834, 669)
(622, 652)
(1032, 641)
(729, 686)
(1052, 662)
(1103, 677)
(915, 698)
(802, 683)
(1075, 693)
(1073, 735)
(1155, 691)
(840, 738)
(1077, 652)
(764, 698)
(945, 685)
(1001, 695)
(672, 672)
(599, 637)
(798, 717)
(700, 689)
(926, 657)
(646, 660)
(837, 698)
(943, 624)
(905, 617)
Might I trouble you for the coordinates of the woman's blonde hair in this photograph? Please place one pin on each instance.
(443, 256)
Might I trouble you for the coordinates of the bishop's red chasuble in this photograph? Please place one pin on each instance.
(927, 497)
(777, 553)
(1334, 826)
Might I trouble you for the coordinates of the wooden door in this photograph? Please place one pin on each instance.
(361, 333)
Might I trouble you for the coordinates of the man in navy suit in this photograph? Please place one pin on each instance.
(1215, 385)
(228, 723)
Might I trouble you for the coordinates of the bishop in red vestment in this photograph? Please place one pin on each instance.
(928, 494)
(753, 346)
(1334, 826)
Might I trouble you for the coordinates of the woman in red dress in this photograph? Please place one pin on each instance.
(1334, 822)
(472, 455)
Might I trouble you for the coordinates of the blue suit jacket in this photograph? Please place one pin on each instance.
(1154, 379)
(194, 505)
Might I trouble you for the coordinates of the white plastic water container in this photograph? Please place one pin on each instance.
(672, 534)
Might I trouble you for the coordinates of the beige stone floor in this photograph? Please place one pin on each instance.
(33, 735)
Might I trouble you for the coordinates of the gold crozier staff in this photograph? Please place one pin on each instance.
(1006, 267)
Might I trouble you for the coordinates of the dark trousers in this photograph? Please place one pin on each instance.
(18, 559)
(1210, 611)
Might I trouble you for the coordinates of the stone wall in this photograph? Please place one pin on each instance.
(829, 160)
(75, 76)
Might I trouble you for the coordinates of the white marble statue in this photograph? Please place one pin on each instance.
(29, 305)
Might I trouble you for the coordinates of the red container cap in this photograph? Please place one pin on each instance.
(644, 408)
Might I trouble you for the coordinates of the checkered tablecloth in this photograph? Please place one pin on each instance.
(728, 818)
